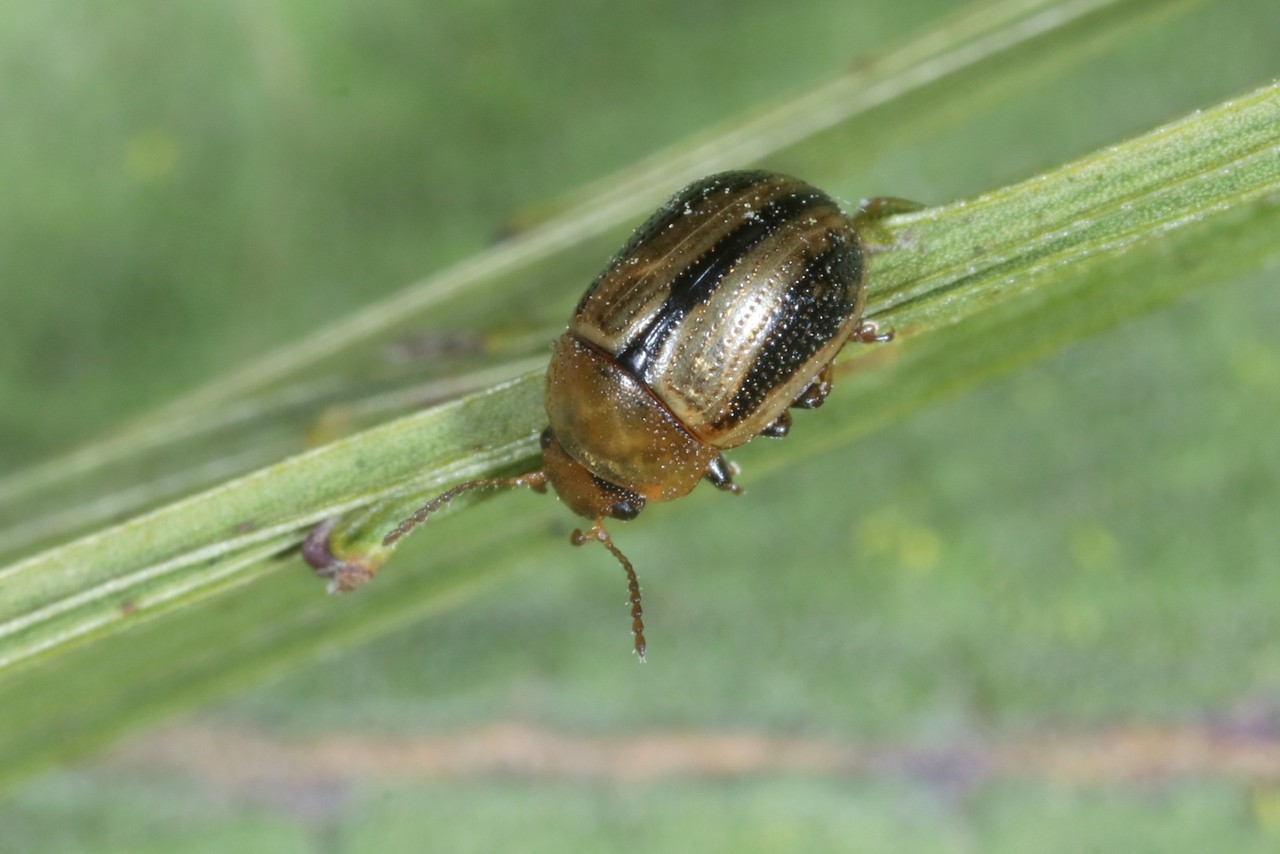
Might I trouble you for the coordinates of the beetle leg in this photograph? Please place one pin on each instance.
(720, 473)
(885, 206)
(816, 393)
(869, 333)
(779, 428)
(868, 221)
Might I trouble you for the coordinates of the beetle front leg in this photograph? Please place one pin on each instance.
(720, 474)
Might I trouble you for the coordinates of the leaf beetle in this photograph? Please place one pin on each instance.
(720, 314)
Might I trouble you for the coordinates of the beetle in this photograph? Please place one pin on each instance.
(721, 313)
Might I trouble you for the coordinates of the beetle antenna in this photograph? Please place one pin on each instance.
(536, 480)
(600, 535)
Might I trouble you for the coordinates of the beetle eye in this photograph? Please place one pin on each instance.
(627, 509)
(545, 440)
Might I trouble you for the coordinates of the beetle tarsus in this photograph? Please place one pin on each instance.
(880, 207)
(720, 474)
(816, 394)
(780, 427)
(869, 333)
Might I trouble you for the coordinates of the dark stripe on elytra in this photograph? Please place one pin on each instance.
(674, 210)
(728, 183)
(697, 282)
(817, 304)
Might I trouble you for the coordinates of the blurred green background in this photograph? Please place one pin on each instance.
(1037, 617)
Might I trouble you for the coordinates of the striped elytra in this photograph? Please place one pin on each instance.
(728, 302)
(722, 312)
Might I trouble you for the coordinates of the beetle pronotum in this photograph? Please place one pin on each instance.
(720, 314)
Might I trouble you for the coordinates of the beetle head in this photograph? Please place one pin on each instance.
(583, 492)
